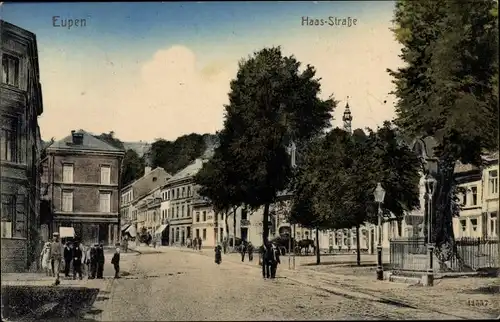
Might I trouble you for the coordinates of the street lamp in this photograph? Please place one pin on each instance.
(431, 185)
(379, 195)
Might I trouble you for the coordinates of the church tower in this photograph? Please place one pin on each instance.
(347, 117)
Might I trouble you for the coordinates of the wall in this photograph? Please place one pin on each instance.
(86, 178)
(14, 255)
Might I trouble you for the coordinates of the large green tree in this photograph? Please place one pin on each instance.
(340, 172)
(132, 167)
(216, 181)
(448, 90)
(173, 156)
(111, 139)
(271, 102)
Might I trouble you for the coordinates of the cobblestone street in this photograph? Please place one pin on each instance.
(184, 285)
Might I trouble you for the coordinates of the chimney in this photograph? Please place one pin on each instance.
(77, 137)
(147, 170)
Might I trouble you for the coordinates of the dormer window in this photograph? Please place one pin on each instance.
(154, 179)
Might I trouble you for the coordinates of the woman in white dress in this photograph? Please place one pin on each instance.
(45, 258)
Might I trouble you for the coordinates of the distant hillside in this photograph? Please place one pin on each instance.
(140, 147)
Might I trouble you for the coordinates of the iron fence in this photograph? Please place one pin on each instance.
(410, 254)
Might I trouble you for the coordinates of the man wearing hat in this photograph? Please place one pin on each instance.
(93, 261)
(56, 256)
(100, 261)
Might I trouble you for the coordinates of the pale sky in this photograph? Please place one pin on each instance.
(163, 69)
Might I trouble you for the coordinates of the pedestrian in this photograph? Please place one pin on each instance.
(242, 251)
(199, 243)
(224, 245)
(250, 251)
(275, 260)
(218, 256)
(266, 264)
(45, 259)
(77, 261)
(68, 256)
(116, 262)
(93, 261)
(100, 261)
(195, 243)
(56, 257)
(125, 244)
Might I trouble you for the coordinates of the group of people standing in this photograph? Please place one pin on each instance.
(197, 243)
(270, 255)
(75, 254)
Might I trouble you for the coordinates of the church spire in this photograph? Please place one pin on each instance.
(347, 117)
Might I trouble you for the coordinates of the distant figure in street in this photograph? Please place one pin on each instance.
(68, 256)
(45, 259)
(77, 261)
(125, 244)
(218, 254)
(93, 261)
(56, 257)
(242, 251)
(199, 243)
(266, 260)
(116, 262)
(250, 251)
(274, 260)
(224, 245)
(100, 261)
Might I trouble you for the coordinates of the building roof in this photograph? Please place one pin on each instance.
(90, 143)
(148, 183)
(188, 171)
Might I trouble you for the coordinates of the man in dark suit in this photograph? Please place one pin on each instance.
(77, 261)
(68, 256)
(274, 260)
(93, 261)
(100, 261)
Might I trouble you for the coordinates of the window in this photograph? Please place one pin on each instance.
(493, 224)
(8, 139)
(493, 182)
(177, 212)
(67, 201)
(105, 202)
(183, 192)
(204, 216)
(473, 222)
(197, 216)
(244, 214)
(105, 174)
(67, 173)
(204, 234)
(177, 193)
(474, 195)
(188, 210)
(189, 191)
(8, 215)
(10, 66)
(464, 198)
(173, 193)
(168, 195)
(182, 211)
(197, 233)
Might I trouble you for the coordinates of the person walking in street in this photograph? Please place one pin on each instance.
(68, 256)
(250, 251)
(115, 261)
(125, 244)
(275, 260)
(93, 261)
(265, 256)
(100, 261)
(56, 257)
(77, 261)
(242, 249)
(224, 245)
(45, 259)
(199, 243)
(218, 254)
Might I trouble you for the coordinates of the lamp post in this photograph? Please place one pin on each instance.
(379, 195)
(431, 184)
